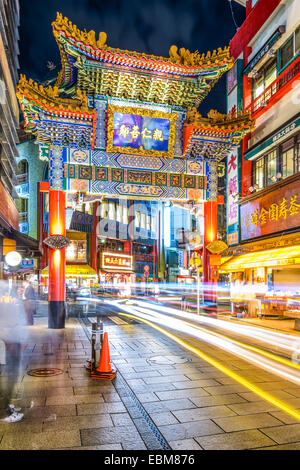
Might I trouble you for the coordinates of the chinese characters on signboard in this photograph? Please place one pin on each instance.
(232, 191)
(131, 130)
(111, 260)
(140, 131)
(285, 131)
(272, 213)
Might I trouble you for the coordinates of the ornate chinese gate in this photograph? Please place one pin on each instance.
(124, 124)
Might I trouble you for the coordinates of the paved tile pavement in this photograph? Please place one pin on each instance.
(187, 402)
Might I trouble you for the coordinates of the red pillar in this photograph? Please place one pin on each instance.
(246, 168)
(210, 235)
(57, 261)
(93, 239)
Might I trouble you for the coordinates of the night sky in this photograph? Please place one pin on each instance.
(149, 26)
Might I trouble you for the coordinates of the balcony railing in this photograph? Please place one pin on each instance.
(23, 217)
(23, 178)
(278, 85)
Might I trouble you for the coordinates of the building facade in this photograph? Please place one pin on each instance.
(10, 237)
(264, 174)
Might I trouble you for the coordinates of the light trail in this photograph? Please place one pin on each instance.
(272, 364)
(282, 340)
(253, 388)
(282, 360)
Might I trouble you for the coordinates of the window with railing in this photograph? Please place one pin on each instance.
(264, 78)
(23, 217)
(22, 172)
(21, 179)
(289, 74)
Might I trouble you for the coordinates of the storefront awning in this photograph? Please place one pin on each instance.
(26, 245)
(271, 258)
(74, 270)
(115, 271)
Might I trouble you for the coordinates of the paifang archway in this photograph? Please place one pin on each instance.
(124, 124)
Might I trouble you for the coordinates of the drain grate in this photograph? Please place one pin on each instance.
(149, 432)
(47, 372)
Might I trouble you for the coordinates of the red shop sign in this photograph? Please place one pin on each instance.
(275, 212)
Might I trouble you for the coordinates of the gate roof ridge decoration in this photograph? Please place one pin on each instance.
(221, 132)
(38, 102)
(83, 57)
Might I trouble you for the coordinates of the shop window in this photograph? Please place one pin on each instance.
(143, 220)
(89, 208)
(125, 215)
(148, 222)
(259, 172)
(104, 209)
(111, 210)
(286, 52)
(119, 213)
(76, 251)
(271, 167)
(137, 219)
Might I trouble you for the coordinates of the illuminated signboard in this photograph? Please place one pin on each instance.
(140, 131)
(114, 261)
(275, 212)
(232, 205)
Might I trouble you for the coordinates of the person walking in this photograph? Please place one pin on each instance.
(13, 332)
(29, 302)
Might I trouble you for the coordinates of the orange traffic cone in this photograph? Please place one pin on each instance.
(104, 370)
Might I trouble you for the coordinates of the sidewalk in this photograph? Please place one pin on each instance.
(163, 397)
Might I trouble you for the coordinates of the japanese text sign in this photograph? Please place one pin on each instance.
(272, 213)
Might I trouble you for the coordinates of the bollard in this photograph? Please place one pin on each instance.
(100, 327)
(96, 344)
(99, 346)
(93, 344)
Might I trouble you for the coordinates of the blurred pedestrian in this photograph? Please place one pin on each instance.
(13, 332)
(29, 302)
